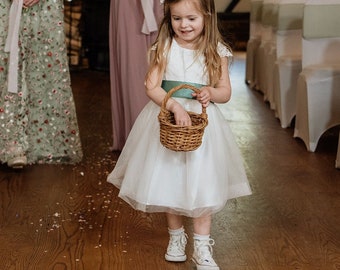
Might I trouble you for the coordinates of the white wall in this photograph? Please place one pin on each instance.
(242, 6)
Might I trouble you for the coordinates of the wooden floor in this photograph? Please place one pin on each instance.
(68, 217)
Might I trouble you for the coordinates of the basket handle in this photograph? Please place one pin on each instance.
(179, 87)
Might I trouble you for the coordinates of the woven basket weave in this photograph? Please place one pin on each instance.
(181, 138)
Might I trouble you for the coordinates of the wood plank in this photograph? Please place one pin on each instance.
(68, 217)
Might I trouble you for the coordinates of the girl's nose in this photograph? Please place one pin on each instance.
(184, 23)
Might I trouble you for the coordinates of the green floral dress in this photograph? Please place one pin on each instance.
(38, 121)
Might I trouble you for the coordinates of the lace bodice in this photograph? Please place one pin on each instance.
(184, 65)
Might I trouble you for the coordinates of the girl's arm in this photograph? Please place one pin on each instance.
(221, 93)
(156, 93)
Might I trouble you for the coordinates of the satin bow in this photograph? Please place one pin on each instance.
(150, 23)
(12, 44)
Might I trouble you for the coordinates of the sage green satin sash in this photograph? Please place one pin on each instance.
(183, 93)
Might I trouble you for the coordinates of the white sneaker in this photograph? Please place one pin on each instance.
(176, 248)
(202, 256)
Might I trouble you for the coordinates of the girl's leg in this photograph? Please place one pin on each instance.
(178, 239)
(202, 225)
(174, 221)
(203, 244)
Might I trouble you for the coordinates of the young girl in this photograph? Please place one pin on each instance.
(196, 184)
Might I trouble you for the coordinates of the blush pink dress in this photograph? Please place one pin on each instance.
(128, 63)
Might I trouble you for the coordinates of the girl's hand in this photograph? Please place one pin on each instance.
(182, 117)
(29, 3)
(204, 96)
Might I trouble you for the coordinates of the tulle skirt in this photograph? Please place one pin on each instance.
(152, 178)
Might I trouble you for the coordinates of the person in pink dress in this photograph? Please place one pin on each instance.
(133, 28)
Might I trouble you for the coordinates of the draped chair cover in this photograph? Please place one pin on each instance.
(288, 59)
(254, 40)
(263, 69)
(318, 87)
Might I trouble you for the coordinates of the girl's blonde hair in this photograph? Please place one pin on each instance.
(207, 44)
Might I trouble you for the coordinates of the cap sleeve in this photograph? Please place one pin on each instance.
(223, 51)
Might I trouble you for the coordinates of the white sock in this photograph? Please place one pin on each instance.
(176, 232)
(201, 237)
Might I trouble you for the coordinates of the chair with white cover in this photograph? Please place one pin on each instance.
(270, 57)
(288, 59)
(263, 71)
(318, 86)
(254, 40)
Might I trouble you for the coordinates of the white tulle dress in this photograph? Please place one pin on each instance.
(152, 178)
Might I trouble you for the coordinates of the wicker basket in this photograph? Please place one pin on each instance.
(181, 138)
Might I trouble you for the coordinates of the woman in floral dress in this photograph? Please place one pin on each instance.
(38, 121)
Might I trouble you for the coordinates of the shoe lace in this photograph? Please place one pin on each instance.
(178, 242)
(205, 250)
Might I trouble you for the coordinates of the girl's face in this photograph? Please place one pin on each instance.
(187, 22)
